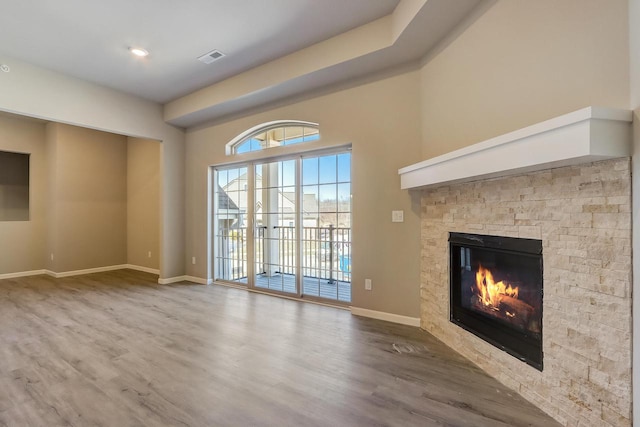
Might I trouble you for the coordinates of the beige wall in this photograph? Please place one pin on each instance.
(32, 91)
(22, 247)
(172, 201)
(523, 62)
(634, 53)
(89, 199)
(143, 202)
(381, 121)
(51, 196)
(94, 199)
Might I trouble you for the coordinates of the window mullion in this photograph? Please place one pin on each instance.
(251, 255)
(298, 223)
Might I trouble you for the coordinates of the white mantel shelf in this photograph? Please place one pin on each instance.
(587, 135)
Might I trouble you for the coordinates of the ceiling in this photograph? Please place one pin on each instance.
(90, 40)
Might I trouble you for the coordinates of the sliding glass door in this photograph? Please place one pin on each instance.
(326, 226)
(298, 239)
(230, 224)
(276, 216)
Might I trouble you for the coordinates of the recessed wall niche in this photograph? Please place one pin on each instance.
(14, 186)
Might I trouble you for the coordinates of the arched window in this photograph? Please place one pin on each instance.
(273, 134)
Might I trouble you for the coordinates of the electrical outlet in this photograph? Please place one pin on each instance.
(52, 257)
(193, 260)
(367, 284)
(149, 254)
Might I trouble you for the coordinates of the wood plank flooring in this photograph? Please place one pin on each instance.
(116, 349)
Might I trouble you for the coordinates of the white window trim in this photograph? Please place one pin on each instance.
(263, 128)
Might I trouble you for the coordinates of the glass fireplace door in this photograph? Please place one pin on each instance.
(496, 291)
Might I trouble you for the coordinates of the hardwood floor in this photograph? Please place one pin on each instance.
(116, 349)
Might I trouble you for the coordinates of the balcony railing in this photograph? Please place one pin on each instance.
(326, 252)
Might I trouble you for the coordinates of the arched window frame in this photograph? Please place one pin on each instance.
(230, 148)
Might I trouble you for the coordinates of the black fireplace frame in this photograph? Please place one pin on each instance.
(524, 346)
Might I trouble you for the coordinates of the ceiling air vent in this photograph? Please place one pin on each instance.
(208, 58)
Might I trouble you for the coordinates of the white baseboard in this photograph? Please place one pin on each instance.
(177, 279)
(389, 317)
(199, 280)
(77, 272)
(22, 274)
(103, 269)
(144, 269)
(85, 271)
(170, 280)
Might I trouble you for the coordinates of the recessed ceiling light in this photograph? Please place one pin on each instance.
(138, 51)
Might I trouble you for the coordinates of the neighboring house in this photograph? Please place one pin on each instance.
(314, 213)
(228, 208)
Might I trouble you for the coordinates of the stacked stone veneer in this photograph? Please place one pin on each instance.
(582, 214)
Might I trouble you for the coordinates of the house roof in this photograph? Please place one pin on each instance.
(225, 202)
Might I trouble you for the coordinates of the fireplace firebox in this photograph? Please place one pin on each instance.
(496, 292)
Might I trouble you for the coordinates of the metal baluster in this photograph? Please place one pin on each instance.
(240, 243)
(244, 253)
(331, 241)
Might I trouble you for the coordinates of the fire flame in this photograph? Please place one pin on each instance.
(491, 292)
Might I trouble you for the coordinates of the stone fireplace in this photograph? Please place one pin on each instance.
(580, 213)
